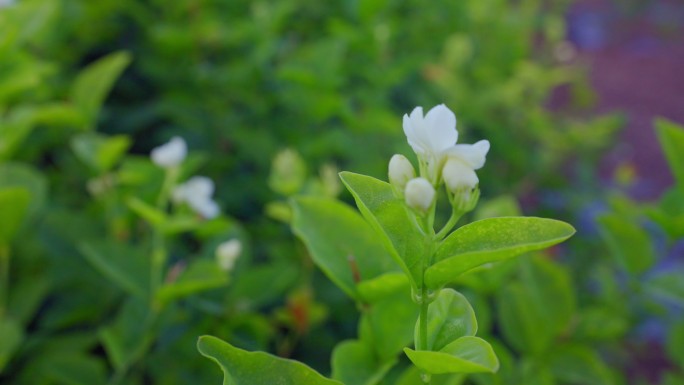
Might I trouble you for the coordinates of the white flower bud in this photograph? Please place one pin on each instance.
(459, 176)
(400, 171)
(170, 154)
(197, 192)
(227, 253)
(419, 194)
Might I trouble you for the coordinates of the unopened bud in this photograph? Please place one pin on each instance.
(400, 171)
(419, 194)
(227, 253)
(459, 176)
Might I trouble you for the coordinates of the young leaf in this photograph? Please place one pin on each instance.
(121, 264)
(241, 367)
(450, 318)
(492, 240)
(671, 138)
(201, 275)
(629, 243)
(389, 218)
(341, 243)
(100, 152)
(94, 82)
(355, 363)
(465, 355)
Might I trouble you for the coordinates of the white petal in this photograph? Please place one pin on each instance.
(414, 133)
(205, 207)
(200, 186)
(419, 194)
(474, 155)
(170, 154)
(458, 175)
(440, 123)
(400, 171)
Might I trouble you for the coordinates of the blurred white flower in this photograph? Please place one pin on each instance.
(419, 194)
(197, 193)
(227, 253)
(400, 171)
(433, 138)
(170, 154)
(462, 161)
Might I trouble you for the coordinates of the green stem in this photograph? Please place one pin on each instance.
(423, 320)
(448, 226)
(4, 278)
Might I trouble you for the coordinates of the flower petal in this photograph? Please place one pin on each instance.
(474, 155)
(440, 124)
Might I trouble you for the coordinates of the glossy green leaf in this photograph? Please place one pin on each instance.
(450, 317)
(671, 136)
(579, 365)
(200, 275)
(465, 355)
(241, 367)
(121, 264)
(538, 307)
(341, 243)
(93, 83)
(355, 363)
(14, 203)
(374, 289)
(390, 219)
(492, 240)
(628, 242)
(668, 286)
(100, 152)
(11, 335)
(387, 324)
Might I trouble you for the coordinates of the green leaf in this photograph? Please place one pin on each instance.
(121, 264)
(411, 376)
(628, 242)
(100, 152)
(14, 203)
(149, 213)
(579, 365)
(21, 175)
(671, 138)
(450, 317)
(675, 343)
(93, 83)
(128, 335)
(241, 367)
(390, 219)
(465, 355)
(537, 308)
(601, 323)
(247, 290)
(492, 240)
(11, 335)
(355, 363)
(341, 243)
(200, 276)
(372, 290)
(387, 324)
(668, 286)
(75, 369)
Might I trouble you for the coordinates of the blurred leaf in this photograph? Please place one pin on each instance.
(247, 290)
(629, 243)
(74, 369)
(127, 337)
(20, 175)
(668, 285)
(675, 343)
(671, 137)
(288, 173)
(450, 317)
(11, 335)
(601, 323)
(121, 264)
(411, 376)
(465, 355)
(100, 152)
(201, 275)
(14, 203)
(503, 206)
(579, 365)
(94, 82)
(241, 367)
(387, 215)
(492, 240)
(26, 296)
(149, 213)
(340, 242)
(355, 363)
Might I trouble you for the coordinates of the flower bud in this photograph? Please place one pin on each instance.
(459, 176)
(227, 253)
(419, 194)
(400, 171)
(170, 154)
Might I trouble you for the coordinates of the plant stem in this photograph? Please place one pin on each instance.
(448, 226)
(4, 278)
(423, 319)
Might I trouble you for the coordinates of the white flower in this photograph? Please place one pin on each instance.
(227, 253)
(170, 154)
(433, 138)
(462, 161)
(400, 171)
(419, 194)
(197, 192)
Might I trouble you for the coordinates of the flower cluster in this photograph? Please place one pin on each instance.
(197, 191)
(433, 138)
